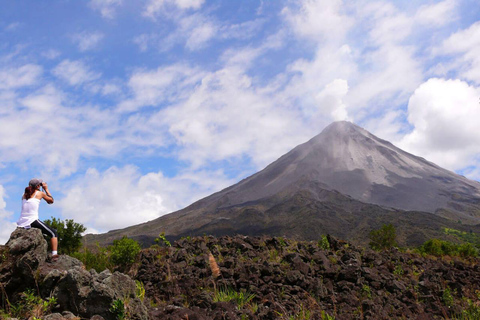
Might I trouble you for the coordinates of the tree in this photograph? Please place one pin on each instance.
(69, 234)
(383, 238)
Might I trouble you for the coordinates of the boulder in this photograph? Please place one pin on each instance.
(24, 265)
(24, 252)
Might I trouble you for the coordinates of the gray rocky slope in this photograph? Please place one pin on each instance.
(338, 180)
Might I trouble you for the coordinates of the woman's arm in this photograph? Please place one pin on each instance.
(47, 196)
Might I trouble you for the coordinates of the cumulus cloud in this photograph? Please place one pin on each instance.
(107, 8)
(87, 40)
(444, 115)
(120, 197)
(6, 226)
(74, 72)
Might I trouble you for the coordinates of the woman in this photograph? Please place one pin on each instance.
(29, 216)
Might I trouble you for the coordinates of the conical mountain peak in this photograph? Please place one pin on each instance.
(338, 182)
(349, 159)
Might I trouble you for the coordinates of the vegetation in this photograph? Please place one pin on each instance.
(140, 290)
(118, 309)
(323, 243)
(437, 247)
(468, 237)
(30, 306)
(120, 255)
(228, 294)
(124, 251)
(383, 238)
(162, 240)
(69, 234)
(97, 258)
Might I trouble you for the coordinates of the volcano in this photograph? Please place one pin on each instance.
(344, 181)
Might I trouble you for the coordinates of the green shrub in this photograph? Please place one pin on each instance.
(323, 243)
(383, 238)
(123, 252)
(467, 250)
(437, 247)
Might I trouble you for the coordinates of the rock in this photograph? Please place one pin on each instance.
(26, 250)
(54, 316)
(88, 294)
(69, 315)
(76, 290)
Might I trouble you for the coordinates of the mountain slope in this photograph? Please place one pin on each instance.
(344, 181)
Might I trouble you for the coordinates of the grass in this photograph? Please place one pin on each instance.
(227, 294)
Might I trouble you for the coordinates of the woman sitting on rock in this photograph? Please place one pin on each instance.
(29, 216)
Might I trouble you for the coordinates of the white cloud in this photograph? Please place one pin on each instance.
(244, 30)
(106, 7)
(16, 77)
(330, 99)
(200, 35)
(74, 72)
(319, 20)
(438, 13)
(226, 117)
(445, 118)
(387, 24)
(155, 6)
(120, 197)
(388, 126)
(13, 26)
(143, 41)
(169, 83)
(393, 76)
(71, 132)
(246, 57)
(87, 40)
(196, 30)
(51, 54)
(464, 47)
(6, 227)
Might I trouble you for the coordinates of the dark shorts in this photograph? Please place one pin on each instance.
(49, 231)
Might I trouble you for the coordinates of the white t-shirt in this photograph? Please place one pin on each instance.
(29, 211)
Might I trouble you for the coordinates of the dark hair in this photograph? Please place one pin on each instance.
(29, 192)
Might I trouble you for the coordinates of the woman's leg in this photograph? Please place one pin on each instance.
(49, 231)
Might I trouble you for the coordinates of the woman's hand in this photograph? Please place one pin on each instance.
(48, 196)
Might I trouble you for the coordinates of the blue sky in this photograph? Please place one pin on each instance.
(134, 109)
